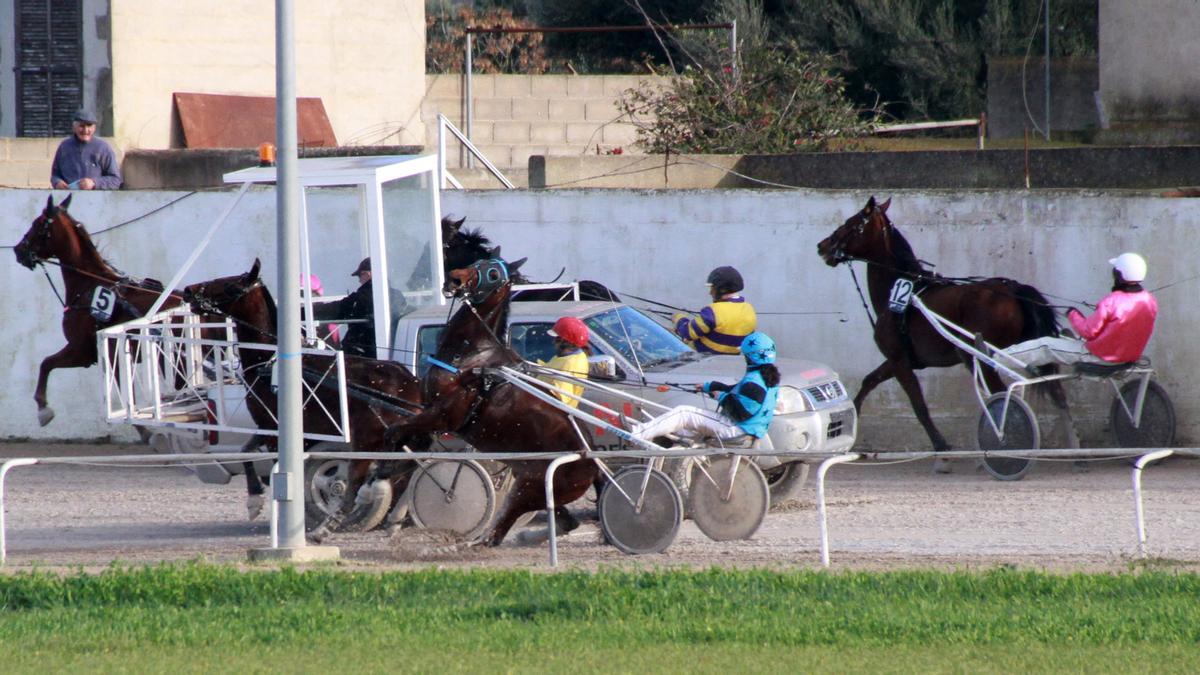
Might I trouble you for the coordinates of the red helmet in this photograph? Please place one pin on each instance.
(570, 329)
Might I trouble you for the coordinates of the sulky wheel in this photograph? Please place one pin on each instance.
(725, 508)
(454, 496)
(650, 528)
(325, 484)
(1156, 429)
(1020, 433)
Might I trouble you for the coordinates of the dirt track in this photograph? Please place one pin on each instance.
(880, 517)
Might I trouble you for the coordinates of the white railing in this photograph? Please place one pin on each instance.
(1144, 456)
(444, 176)
(979, 122)
(829, 460)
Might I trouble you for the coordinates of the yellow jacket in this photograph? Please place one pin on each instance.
(576, 364)
(720, 327)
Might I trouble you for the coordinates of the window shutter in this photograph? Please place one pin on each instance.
(49, 65)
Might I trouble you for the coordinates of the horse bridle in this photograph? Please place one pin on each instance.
(207, 303)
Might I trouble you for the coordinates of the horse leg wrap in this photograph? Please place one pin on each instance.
(254, 506)
(45, 414)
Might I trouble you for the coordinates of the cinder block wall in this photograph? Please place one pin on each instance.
(25, 162)
(516, 116)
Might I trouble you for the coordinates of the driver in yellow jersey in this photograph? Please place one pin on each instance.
(571, 357)
(721, 326)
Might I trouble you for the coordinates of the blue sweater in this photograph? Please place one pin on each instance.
(94, 159)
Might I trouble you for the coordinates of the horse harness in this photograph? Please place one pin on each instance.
(105, 298)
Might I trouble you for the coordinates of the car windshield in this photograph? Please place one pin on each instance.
(628, 331)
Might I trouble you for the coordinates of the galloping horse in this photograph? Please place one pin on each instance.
(488, 413)
(95, 294)
(463, 247)
(380, 392)
(1001, 310)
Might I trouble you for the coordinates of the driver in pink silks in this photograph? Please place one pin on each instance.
(1117, 332)
(329, 331)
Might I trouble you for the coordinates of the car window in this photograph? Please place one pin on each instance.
(428, 338)
(532, 341)
(630, 331)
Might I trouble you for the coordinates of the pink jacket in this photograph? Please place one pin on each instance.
(1121, 326)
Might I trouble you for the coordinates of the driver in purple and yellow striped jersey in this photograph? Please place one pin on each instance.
(722, 325)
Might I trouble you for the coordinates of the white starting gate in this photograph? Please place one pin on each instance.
(170, 369)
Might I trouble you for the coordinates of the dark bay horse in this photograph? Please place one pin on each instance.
(487, 412)
(461, 247)
(1001, 310)
(380, 392)
(95, 294)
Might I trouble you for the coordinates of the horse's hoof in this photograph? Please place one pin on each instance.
(533, 537)
(942, 465)
(45, 415)
(254, 506)
(319, 534)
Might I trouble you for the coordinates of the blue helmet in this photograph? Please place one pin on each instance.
(758, 348)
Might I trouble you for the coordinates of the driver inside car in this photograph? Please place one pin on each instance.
(571, 357)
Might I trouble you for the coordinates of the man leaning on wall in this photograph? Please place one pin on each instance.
(84, 162)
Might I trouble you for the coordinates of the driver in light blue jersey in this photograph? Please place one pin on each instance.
(746, 408)
(722, 325)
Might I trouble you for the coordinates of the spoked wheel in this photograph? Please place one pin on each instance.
(325, 482)
(1020, 433)
(727, 508)
(650, 528)
(453, 496)
(1155, 429)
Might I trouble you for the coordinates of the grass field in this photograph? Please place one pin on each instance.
(199, 618)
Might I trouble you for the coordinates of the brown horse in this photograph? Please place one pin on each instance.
(95, 295)
(461, 247)
(486, 411)
(380, 392)
(1001, 310)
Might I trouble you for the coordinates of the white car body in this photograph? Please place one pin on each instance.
(813, 413)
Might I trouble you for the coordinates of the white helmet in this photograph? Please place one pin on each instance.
(1131, 266)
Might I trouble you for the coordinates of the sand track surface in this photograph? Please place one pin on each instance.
(891, 516)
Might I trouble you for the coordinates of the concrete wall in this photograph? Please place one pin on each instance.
(365, 60)
(1148, 57)
(517, 116)
(1073, 86)
(1087, 168)
(660, 245)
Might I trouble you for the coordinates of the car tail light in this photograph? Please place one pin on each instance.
(211, 419)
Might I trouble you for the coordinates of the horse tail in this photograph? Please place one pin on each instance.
(1039, 318)
(1041, 321)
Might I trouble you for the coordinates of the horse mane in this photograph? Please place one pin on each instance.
(272, 310)
(87, 246)
(902, 252)
(473, 239)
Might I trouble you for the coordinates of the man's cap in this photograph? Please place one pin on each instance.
(85, 115)
(364, 266)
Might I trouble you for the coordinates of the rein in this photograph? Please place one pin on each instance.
(955, 281)
(862, 298)
(54, 288)
(123, 281)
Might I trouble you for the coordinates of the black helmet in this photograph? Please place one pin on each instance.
(725, 280)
